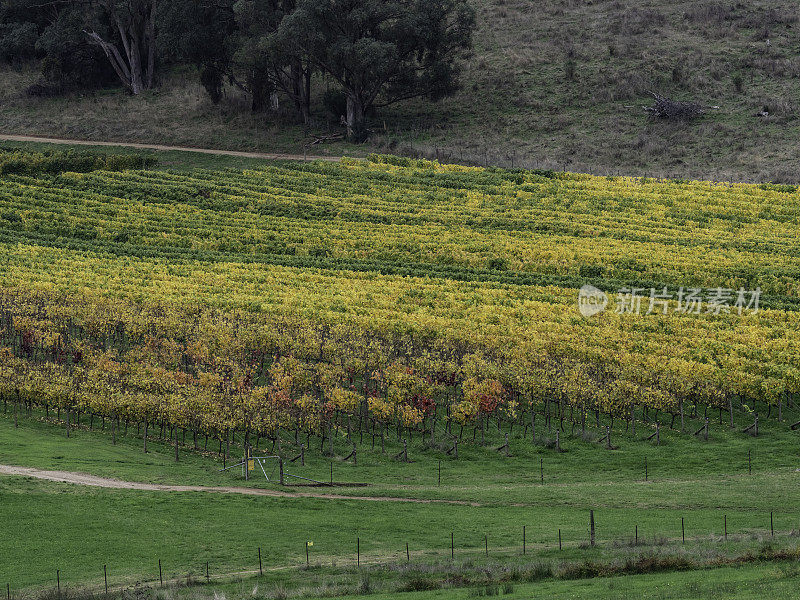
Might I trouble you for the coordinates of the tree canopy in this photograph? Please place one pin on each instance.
(375, 51)
(381, 51)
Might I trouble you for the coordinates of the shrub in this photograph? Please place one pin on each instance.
(20, 162)
(335, 102)
(738, 82)
(17, 41)
(497, 264)
(419, 584)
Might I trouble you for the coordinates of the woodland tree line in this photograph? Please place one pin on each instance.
(374, 52)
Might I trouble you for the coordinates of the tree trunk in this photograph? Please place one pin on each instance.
(135, 63)
(151, 46)
(356, 121)
(301, 90)
(137, 79)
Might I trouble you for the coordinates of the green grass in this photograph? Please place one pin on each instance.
(78, 530)
(760, 581)
(681, 467)
(173, 160)
(756, 580)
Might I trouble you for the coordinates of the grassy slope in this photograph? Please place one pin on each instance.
(552, 83)
(172, 160)
(755, 582)
(77, 530)
(742, 582)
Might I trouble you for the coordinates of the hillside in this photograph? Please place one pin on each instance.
(550, 84)
(393, 291)
(403, 342)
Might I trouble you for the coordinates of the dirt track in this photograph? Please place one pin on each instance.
(265, 156)
(104, 482)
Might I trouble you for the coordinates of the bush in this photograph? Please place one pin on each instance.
(20, 162)
(497, 264)
(401, 161)
(70, 63)
(46, 89)
(419, 584)
(335, 102)
(738, 82)
(212, 80)
(17, 41)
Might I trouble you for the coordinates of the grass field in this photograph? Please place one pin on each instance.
(77, 530)
(758, 581)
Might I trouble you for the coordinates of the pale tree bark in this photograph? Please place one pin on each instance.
(132, 54)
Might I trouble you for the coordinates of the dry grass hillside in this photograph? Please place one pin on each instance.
(558, 84)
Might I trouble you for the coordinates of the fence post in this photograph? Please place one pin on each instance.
(280, 465)
(523, 540)
(486, 543)
(452, 545)
(358, 552)
(105, 577)
(725, 518)
(408, 554)
(771, 525)
(591, 528)
(440, 473)
(260, 568)
(58, 582)
(683, 531)
(541, 469)
(160, 573)
(559, 539)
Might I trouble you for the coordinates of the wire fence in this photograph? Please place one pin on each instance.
(466, 545)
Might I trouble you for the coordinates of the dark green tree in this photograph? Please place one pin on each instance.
(199, 33)
(52, 30)
(269, 65)
(380, 51)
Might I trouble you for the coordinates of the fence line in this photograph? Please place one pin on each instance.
(481, 547)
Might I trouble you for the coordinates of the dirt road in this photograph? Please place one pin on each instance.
(105, 482)
(265, 156)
